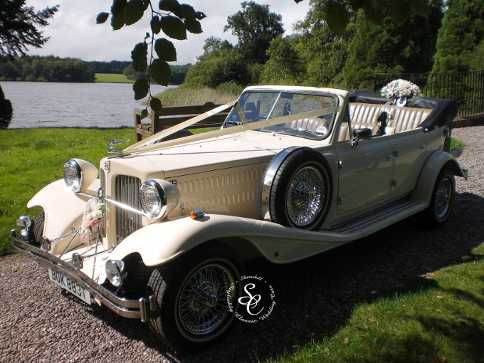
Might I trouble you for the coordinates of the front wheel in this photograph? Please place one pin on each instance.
(443, 196)
(191, 297)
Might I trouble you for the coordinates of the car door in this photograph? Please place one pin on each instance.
(364, 174)
(410, 150)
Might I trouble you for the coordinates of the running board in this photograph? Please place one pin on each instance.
(385, 216)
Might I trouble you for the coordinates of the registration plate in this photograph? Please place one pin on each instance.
(69, 284)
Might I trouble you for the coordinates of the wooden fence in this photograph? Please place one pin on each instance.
(170, 116)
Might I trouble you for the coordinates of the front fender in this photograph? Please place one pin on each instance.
(161, 242)
(63, 209)
(430, 172)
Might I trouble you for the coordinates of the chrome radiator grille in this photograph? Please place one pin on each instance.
(126, 191)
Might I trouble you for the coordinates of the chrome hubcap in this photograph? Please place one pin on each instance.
(442, 197)
(202, 302)
(306, 196)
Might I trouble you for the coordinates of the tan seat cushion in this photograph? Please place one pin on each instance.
(401, 118)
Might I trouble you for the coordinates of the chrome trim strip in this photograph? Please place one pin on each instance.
(125, 206)
(269, 175)
(121, 306)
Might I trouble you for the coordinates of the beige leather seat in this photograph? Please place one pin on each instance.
(365, 115)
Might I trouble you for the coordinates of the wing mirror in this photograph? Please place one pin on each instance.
(360, 134)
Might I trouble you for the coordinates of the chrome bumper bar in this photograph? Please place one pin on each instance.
(134, 309)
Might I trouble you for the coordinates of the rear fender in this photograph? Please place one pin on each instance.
(430, 172)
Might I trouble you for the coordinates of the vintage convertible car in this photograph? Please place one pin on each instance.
(163, 228)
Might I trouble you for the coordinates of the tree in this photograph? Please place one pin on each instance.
(391, 47)
(220, 63)
(255, 27)
(19, 26)
(5, 111)
(461, 33)
(176, 19)
(284, 64)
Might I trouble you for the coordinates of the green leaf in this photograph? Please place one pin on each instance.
(193, 26)
(165, 50)
(169, 5)
(144, 113)
(133, 11)
(337, 16)
(141, 88)
(102, 17)
(139, 55)
(155, 24)
(155, 104)
(160, 72)
(173, 27)
(185, 11)
(117, 14)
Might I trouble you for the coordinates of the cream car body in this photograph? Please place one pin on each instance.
(374, 182)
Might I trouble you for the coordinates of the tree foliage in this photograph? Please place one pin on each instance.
(151, 54)
(220, 63)
(51, 69)
(19, 26)
(255, 27)
(391, 47)
(284, 64)
(460, 36)
(5, 111)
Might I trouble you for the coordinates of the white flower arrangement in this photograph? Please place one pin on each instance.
(400, 88)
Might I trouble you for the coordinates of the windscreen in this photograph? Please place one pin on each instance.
(262, 105)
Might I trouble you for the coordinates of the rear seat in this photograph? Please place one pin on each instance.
(365, 115)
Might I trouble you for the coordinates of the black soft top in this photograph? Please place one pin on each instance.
(443, 111)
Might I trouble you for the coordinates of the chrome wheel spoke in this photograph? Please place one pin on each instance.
(201, 306)
(306, 196)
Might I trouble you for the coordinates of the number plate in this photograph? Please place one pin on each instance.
(71, 285)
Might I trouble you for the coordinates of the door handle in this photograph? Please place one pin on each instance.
(395, 153)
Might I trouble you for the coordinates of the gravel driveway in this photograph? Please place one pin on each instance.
(313, 298)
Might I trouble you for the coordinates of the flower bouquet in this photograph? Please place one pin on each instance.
(400, 90)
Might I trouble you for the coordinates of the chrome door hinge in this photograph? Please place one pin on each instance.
(340, 164)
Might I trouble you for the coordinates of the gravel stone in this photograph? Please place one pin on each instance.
(314, 298)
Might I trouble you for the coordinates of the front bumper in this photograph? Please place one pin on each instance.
(134, 309)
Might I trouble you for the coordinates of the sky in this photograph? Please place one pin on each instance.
(74, 33)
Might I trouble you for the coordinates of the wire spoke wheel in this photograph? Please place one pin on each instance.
(443, 196)
(201, 307)
(306, 196)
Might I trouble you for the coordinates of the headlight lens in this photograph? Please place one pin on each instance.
(153, 199)
(73, 175)
(115, 272)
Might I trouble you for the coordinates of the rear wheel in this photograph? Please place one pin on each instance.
(443, 196)
(191, 297)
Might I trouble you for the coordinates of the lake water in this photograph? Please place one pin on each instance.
(52, 104)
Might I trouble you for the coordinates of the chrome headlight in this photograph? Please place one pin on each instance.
(157, 198)
(115, 272)
(79, 174)
(73, 175)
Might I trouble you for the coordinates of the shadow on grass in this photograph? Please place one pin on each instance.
(315, 297)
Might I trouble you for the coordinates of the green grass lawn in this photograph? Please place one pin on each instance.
(442, 322)
(32, 158)
(111, 78)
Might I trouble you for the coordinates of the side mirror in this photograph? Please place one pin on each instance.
(360, 134)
